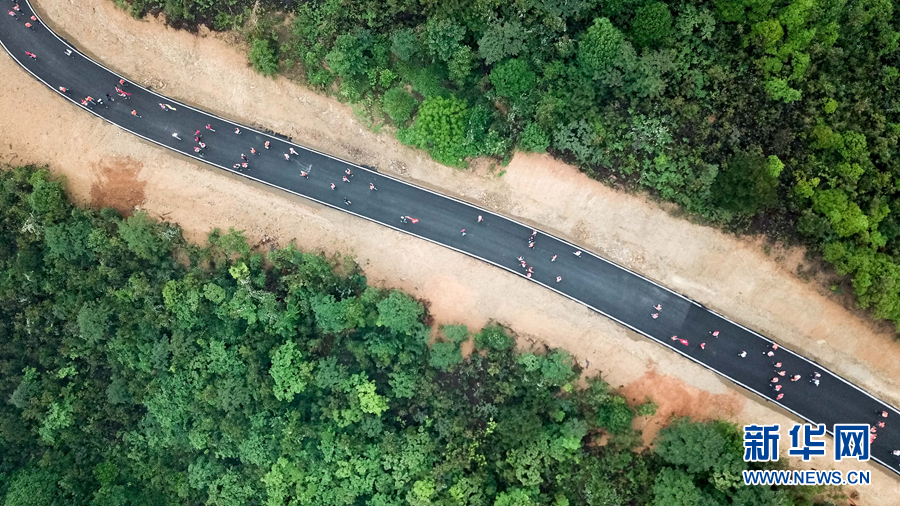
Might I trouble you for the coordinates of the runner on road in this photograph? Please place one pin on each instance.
(345, 179)
(63, 89)
(372, 187)
(287, 157)
(237, 131)
(134, 113)
(654, 315)
(292, 151)
(208, 127)
(31, 55)
(480, 219)
(173, 135)
(553, 258)
(332, 186)
(347, 201)
(558, 279)
(463, 231)
(577, 253)
(742, 354)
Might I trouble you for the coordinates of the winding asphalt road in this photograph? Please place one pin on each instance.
(599, 284)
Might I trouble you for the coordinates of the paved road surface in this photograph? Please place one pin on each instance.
(619, 294)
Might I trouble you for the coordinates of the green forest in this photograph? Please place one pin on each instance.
(775, 116)
(139, 369)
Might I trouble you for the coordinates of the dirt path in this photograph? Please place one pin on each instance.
(106, 166)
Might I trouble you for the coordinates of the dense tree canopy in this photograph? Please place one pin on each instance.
(138, 369)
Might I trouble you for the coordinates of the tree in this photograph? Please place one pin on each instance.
(846, 217)
(399, 312)
(442, 36)
(33, 486)
(444, 356)
(460, 65)
(399, 105)
(405, 44)
(673, 487)
(46, 197)
(556, 368)
(262, 56)
(455, 333)
(600, 47)
(139, 233)
(502, 40)
(534, 139)
(700, 447)
(440, 127)
(512, 78)
(746, 185)
(289, 372)
(652, 24)
(493, 337)
(347, 57)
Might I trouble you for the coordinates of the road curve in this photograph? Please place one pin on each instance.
(617, 293)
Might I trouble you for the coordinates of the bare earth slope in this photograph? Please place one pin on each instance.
(107, 167)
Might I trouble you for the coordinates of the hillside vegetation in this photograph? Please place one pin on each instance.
(139, 369)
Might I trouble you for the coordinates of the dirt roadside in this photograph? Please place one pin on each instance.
(105, 166)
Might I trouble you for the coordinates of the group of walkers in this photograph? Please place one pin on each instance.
(529, 270)
(777, 383)
(30, 23)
